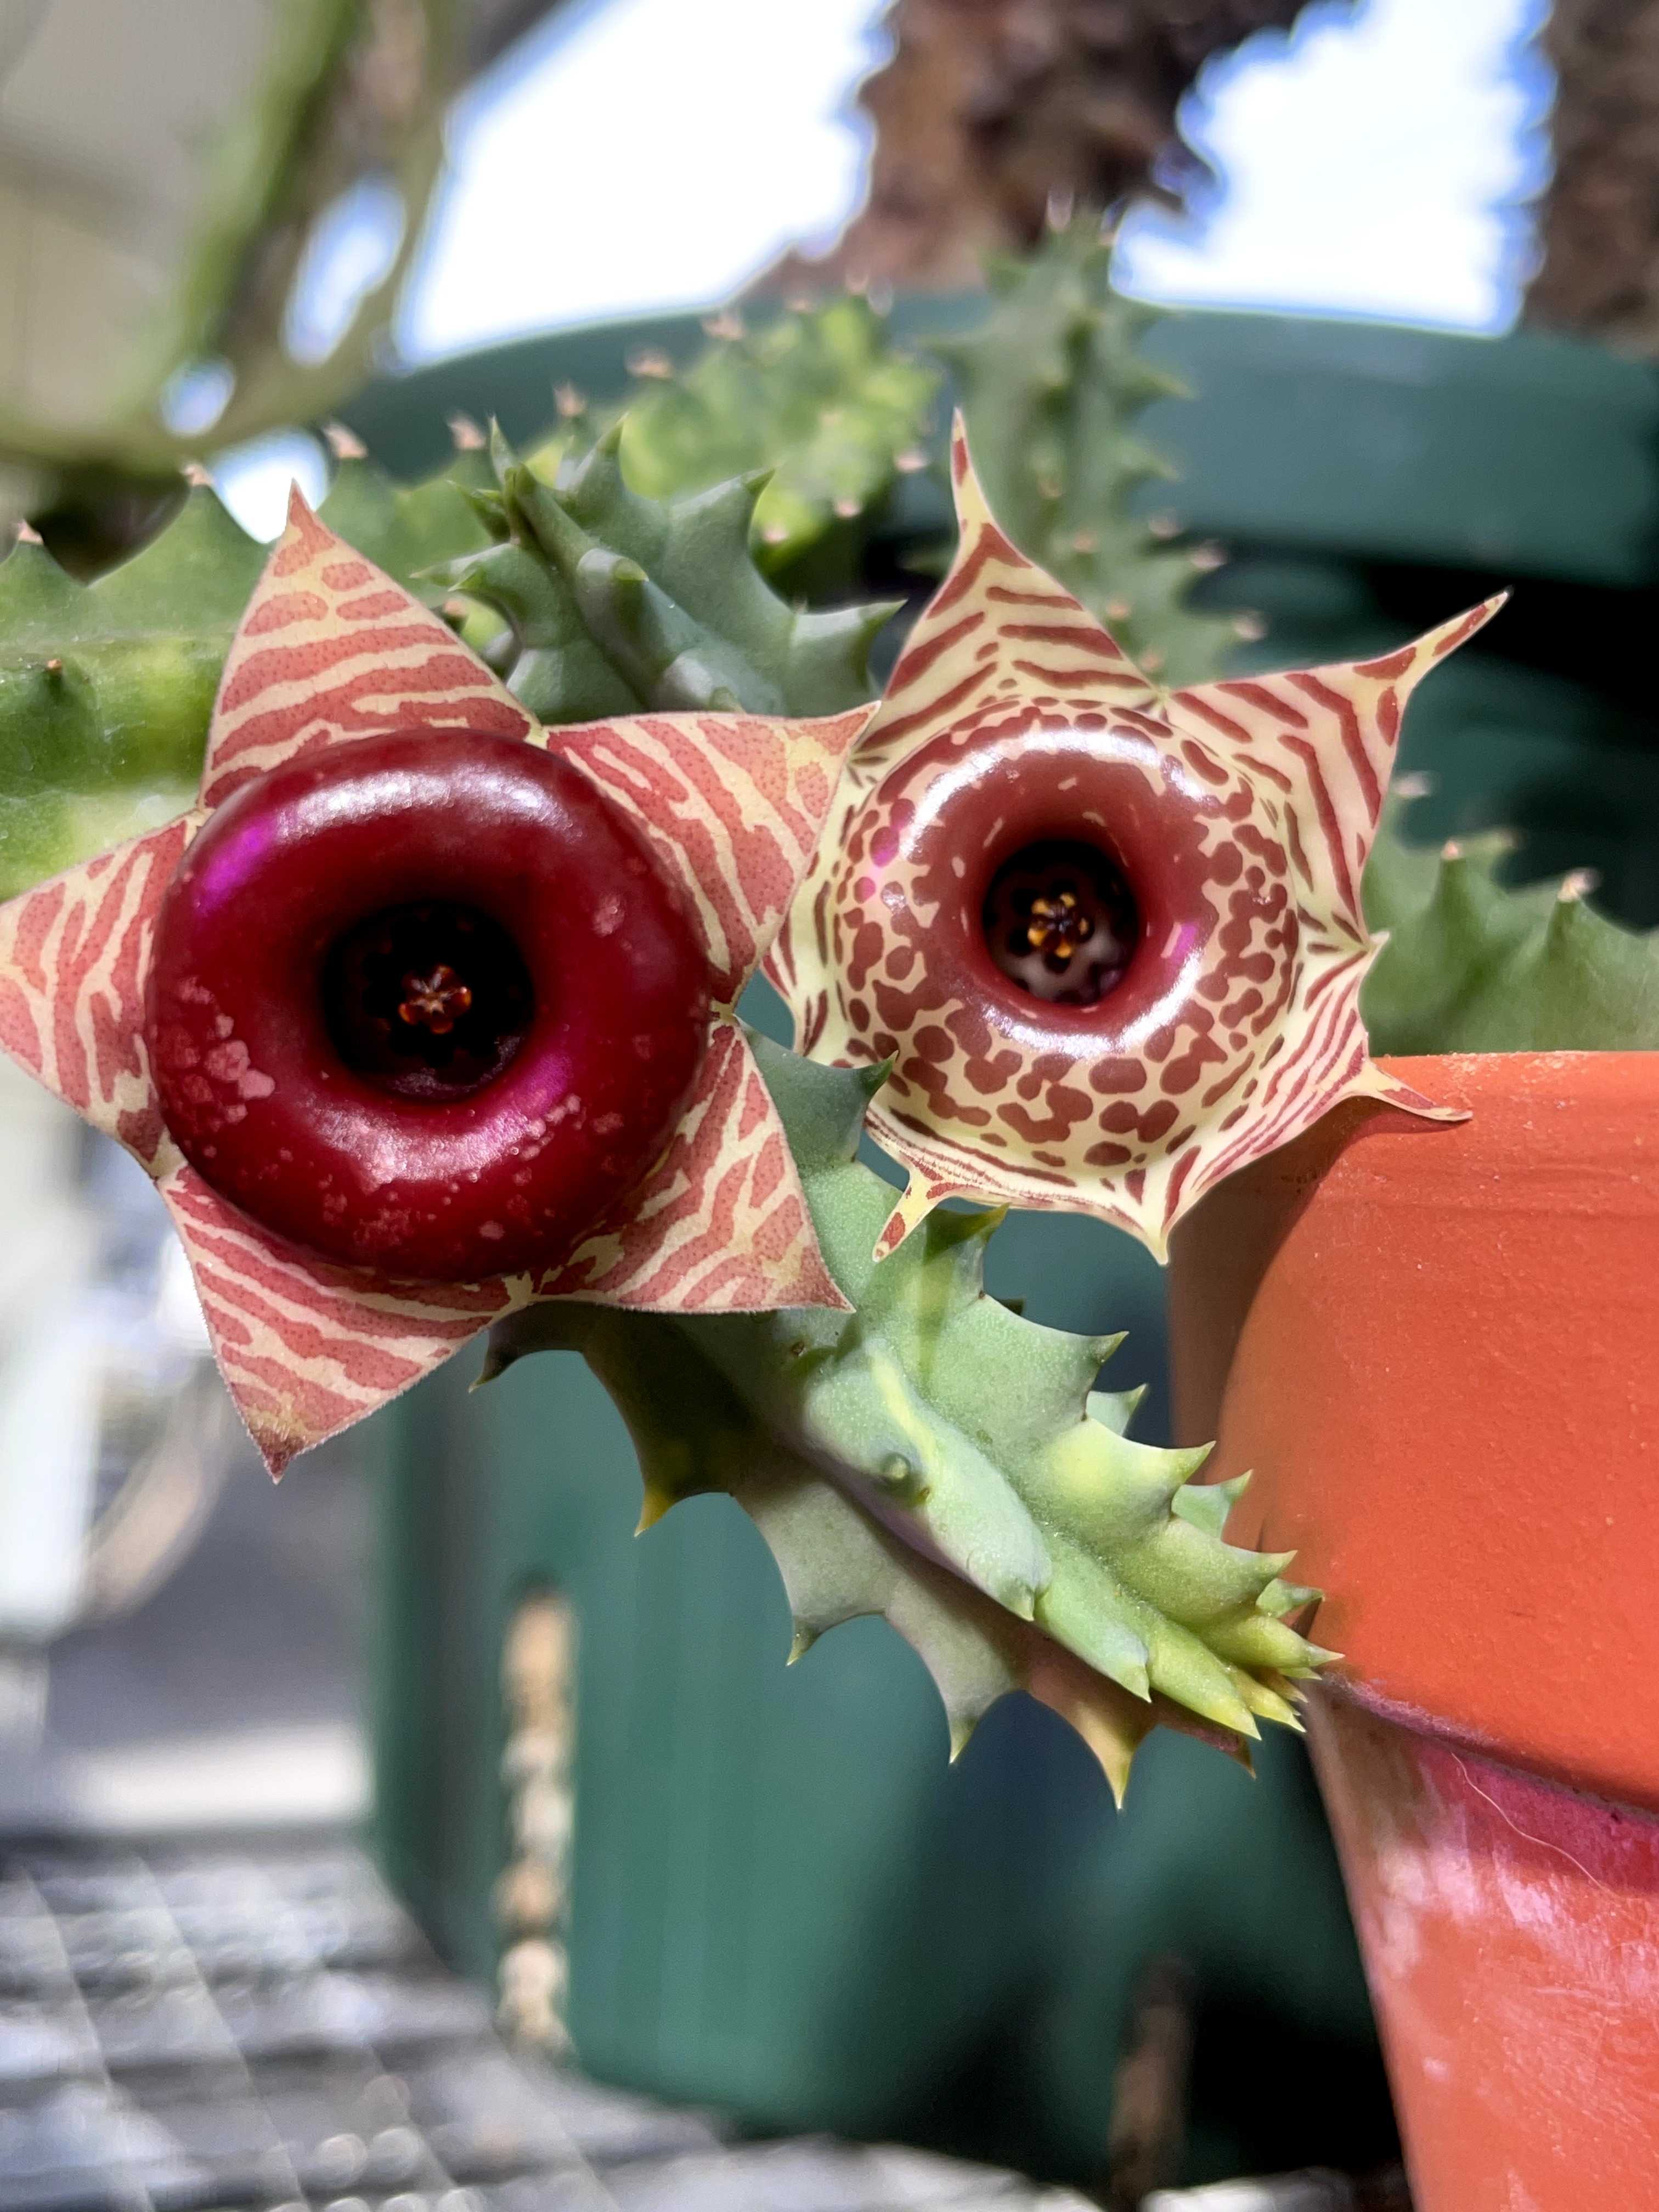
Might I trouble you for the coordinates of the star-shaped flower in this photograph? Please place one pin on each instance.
(712, 816)
(1110, 937)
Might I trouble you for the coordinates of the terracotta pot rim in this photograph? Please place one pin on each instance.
(1473, 1743)
(1566, 1057)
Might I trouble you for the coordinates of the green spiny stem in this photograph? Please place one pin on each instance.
(818, 399)
(620, 602)
(956, 1461)
(1471, 966)
(610, 601)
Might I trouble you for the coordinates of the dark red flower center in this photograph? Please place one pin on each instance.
(428, 1000)
(425, 1003)
(1061, 921)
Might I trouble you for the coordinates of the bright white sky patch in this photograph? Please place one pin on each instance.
(253, 479)
(1374, 163)
(641, 155)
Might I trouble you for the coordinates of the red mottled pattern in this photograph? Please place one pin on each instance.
(741, 797)
(329, 650)
(1009, 685)
(721, 1225)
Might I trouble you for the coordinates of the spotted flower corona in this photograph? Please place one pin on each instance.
(422, 1014)
(1109, 937)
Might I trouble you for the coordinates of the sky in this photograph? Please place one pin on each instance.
(642, 154)
(654, 153)
(639, 154)
(1372, 163)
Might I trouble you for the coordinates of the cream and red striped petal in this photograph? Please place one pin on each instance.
(73, 957)
(1326, 738)
(720, 1225)
(998, 633)
(734, 806)
(307, 1348)
(1276, 783)
(330, 649)
(998, 627)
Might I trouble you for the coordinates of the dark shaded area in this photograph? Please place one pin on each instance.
(429, 1001)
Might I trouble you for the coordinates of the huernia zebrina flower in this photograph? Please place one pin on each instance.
(422, 1013)
(1110, 937)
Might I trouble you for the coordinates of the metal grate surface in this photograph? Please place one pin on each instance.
(206, 2029)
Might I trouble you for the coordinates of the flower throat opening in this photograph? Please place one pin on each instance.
(430, 1000)
(1061, 922)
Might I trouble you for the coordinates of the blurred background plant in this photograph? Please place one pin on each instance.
(230, 256)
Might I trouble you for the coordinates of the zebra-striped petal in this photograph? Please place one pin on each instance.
(1228, 823)
(734, 806)
(329, 650)
(721, 1225)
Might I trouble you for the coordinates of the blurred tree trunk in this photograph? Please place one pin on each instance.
(990, 109)
(1599, 224)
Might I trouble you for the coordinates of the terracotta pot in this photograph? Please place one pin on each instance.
(1439, 1350)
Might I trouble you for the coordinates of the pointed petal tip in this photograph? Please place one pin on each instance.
(278, 1448)
(653, 1503)
(828, 1296)
(1434, 645)
(1375, 1082)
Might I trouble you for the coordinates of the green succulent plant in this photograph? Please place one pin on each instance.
(932, 1457)
(592, 599)
(411, 530)
(105, 689)
(1472, 965)
(616, 601)
(818, 395)
(936, 1459)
